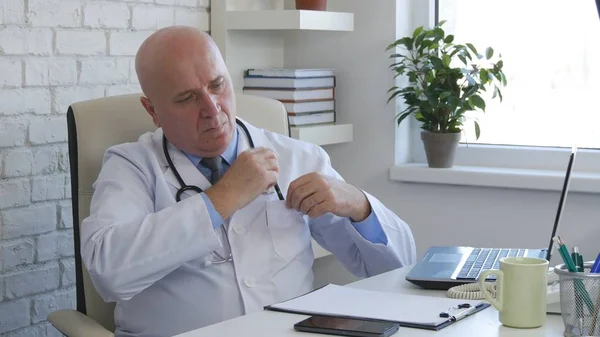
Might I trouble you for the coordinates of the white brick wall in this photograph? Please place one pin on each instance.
(54, 53)
(13, 11)
(151, 17)
(106, 15)
(25, 41)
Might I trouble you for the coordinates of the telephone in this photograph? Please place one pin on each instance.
(471, 291)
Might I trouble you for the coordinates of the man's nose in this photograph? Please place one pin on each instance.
(209, 106)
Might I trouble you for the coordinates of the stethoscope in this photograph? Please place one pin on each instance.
(197, 189)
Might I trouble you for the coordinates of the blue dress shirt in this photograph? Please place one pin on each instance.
(369, 228)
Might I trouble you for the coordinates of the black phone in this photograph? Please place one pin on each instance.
(346, 326)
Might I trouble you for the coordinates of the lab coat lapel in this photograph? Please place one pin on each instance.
(188, 172)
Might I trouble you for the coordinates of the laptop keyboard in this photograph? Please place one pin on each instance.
(484, 259)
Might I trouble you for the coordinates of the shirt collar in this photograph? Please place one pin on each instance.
(229, 155)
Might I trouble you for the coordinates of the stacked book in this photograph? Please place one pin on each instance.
(307, 94)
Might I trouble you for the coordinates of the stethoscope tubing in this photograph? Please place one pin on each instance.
(197, 189)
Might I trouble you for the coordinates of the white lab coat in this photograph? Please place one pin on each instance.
(146, 252)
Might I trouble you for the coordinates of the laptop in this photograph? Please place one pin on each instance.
(444, 267)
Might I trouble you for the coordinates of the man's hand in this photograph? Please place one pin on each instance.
(253, 172)
(315, 194)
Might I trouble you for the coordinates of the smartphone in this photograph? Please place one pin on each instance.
(346, 327)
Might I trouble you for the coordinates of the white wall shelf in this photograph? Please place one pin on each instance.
(289, 20)
(323, 134)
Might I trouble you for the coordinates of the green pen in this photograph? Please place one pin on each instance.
(579, 286)
(578, 259)
(564, 252)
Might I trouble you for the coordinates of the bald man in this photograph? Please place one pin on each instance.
(176, 259)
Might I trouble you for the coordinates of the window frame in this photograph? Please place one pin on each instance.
(489, 165)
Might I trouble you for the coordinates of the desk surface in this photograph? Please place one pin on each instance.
(483, 324)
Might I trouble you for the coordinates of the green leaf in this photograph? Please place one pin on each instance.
(436, 62)
(400, 69)
(449, 39)
(392, 89)
(419, 40)
(446, 60)
(463, 59)
(403, 116)
(439, 33)
(477, 130)
(441, 23)
(424, 44)
(472, 48)
(394, 95)
(397, 55)
(456, 50)
(477, 101)
(483, 74)
(503, 79)
(407, 42)
(500, 64)
(489, 52)
(417, 31)
(445, 94)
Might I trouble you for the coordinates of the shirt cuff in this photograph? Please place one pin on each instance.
(371, 229)
(215, 217)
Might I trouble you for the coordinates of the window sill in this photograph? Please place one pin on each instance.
(530, 179)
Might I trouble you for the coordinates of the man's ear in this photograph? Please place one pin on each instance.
(150, 108)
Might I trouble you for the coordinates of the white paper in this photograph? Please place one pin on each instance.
(358, 303)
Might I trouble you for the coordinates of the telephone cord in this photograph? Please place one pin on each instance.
(471, 291)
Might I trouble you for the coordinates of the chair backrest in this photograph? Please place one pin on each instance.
(94, 126)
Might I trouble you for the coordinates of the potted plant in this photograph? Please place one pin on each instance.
(446, 80)
(313, 5)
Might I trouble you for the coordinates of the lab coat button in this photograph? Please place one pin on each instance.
(239, 229)
(249, 282)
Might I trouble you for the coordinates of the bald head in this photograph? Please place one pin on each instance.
(168, 46)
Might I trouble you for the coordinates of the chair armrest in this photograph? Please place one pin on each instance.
(72, 323)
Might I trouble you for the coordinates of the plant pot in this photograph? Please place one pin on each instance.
(440, 148)
(313, 5)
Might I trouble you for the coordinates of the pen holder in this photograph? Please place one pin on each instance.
(579, 301)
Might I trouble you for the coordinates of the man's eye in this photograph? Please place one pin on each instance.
(186, 99)
(219, 85)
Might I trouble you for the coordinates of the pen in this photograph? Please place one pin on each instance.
(578, 259)
(578, 305)
(596, 265)
(579, 286)
(564, 253)
(464, 313)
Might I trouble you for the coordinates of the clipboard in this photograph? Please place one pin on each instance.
(412, 311)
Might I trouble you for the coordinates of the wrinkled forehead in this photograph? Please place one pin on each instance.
(188, 68)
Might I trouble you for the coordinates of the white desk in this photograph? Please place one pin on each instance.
(483, 324)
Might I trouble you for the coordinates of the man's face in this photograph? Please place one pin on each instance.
(192, 99)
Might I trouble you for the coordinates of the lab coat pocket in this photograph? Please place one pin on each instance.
(289, 230)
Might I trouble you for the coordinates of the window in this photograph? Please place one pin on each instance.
(551, 55)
